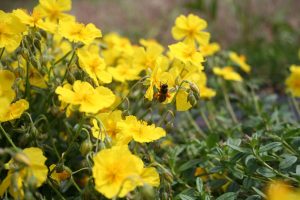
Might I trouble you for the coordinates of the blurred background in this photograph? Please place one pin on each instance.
(266, 31)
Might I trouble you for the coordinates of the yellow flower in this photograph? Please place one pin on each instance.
(53, 9)
(89, 99)
(182, 103)
(117, 172)
(26, 165)
(59, 176)
(7, 79)
(109, 122)
(158, 77)
(293, 81)
(145, 58)
(12, 111)
(186, 53)
(240, 60)
(281, 191)
(139, 130)
(209, 49)
(227, 73)
(190, 29)
(35, 19)
(78, 32)
(124, 72)
(11, 30)
(94, 66)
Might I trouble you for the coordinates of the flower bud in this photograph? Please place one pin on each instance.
(195, 90)
(38, 35)
(147, 192)
(37, 44)
(85, 147)
(192, 99)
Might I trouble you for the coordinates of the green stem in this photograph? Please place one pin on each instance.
(68, 66)
(296, 106)
(195, 125)
(27, 84)
(203, 115)
(228, 104)
(55, 190)
(8, 138)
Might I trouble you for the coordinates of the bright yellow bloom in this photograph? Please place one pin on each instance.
(53, 9)
(26, 165)
(159, 76)
(293, 81)
(182, 103)
(90, 100)
(78, 32)
(190, 29)
(139, 131)
(12, 111)
(281, 191)
(94, 66)
(150, 43)
(186, 53)
(35, 19)
(210, 49)
(117, 172)
(227, 73)
(240, 60)
(146, 58)
(7, 79)
(109, 122)
(11, 30)
(124, 72)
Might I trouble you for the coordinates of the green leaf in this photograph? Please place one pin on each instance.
(199, 184)
(189, 165)
(269, 146)
(266, 172)
(288, 161)
(227, 196)
(185, 197)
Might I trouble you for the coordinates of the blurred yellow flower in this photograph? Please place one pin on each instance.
(182, 103)
(240, 60)
(293, 81)
(139, 131)
(117, 172)
(11, 29)
(78, 32)
(210, 49)
(186, 53)
(10, 111)
(227, 73)
(109, 122)
(35, 19)
(53, 9)
(59, 176)
(83, 94)
(280, 191)
(145, 58)
(124, 72)
(190, 28)
(94, 66)
(26, 165)
(7, 79)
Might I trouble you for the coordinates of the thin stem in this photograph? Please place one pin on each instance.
(27, 86)
(228, 104)
(8, 138)
(68, 66)
(203, 115)
(195, 125)
(296, 106)
(55, 190)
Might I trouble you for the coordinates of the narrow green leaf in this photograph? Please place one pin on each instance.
(288, 161)
(227, 196)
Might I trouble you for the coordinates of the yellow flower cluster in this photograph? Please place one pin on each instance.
(293, 81)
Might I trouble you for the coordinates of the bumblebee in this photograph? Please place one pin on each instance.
(163, 93)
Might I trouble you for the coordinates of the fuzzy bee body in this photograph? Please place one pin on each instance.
(163, 93)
